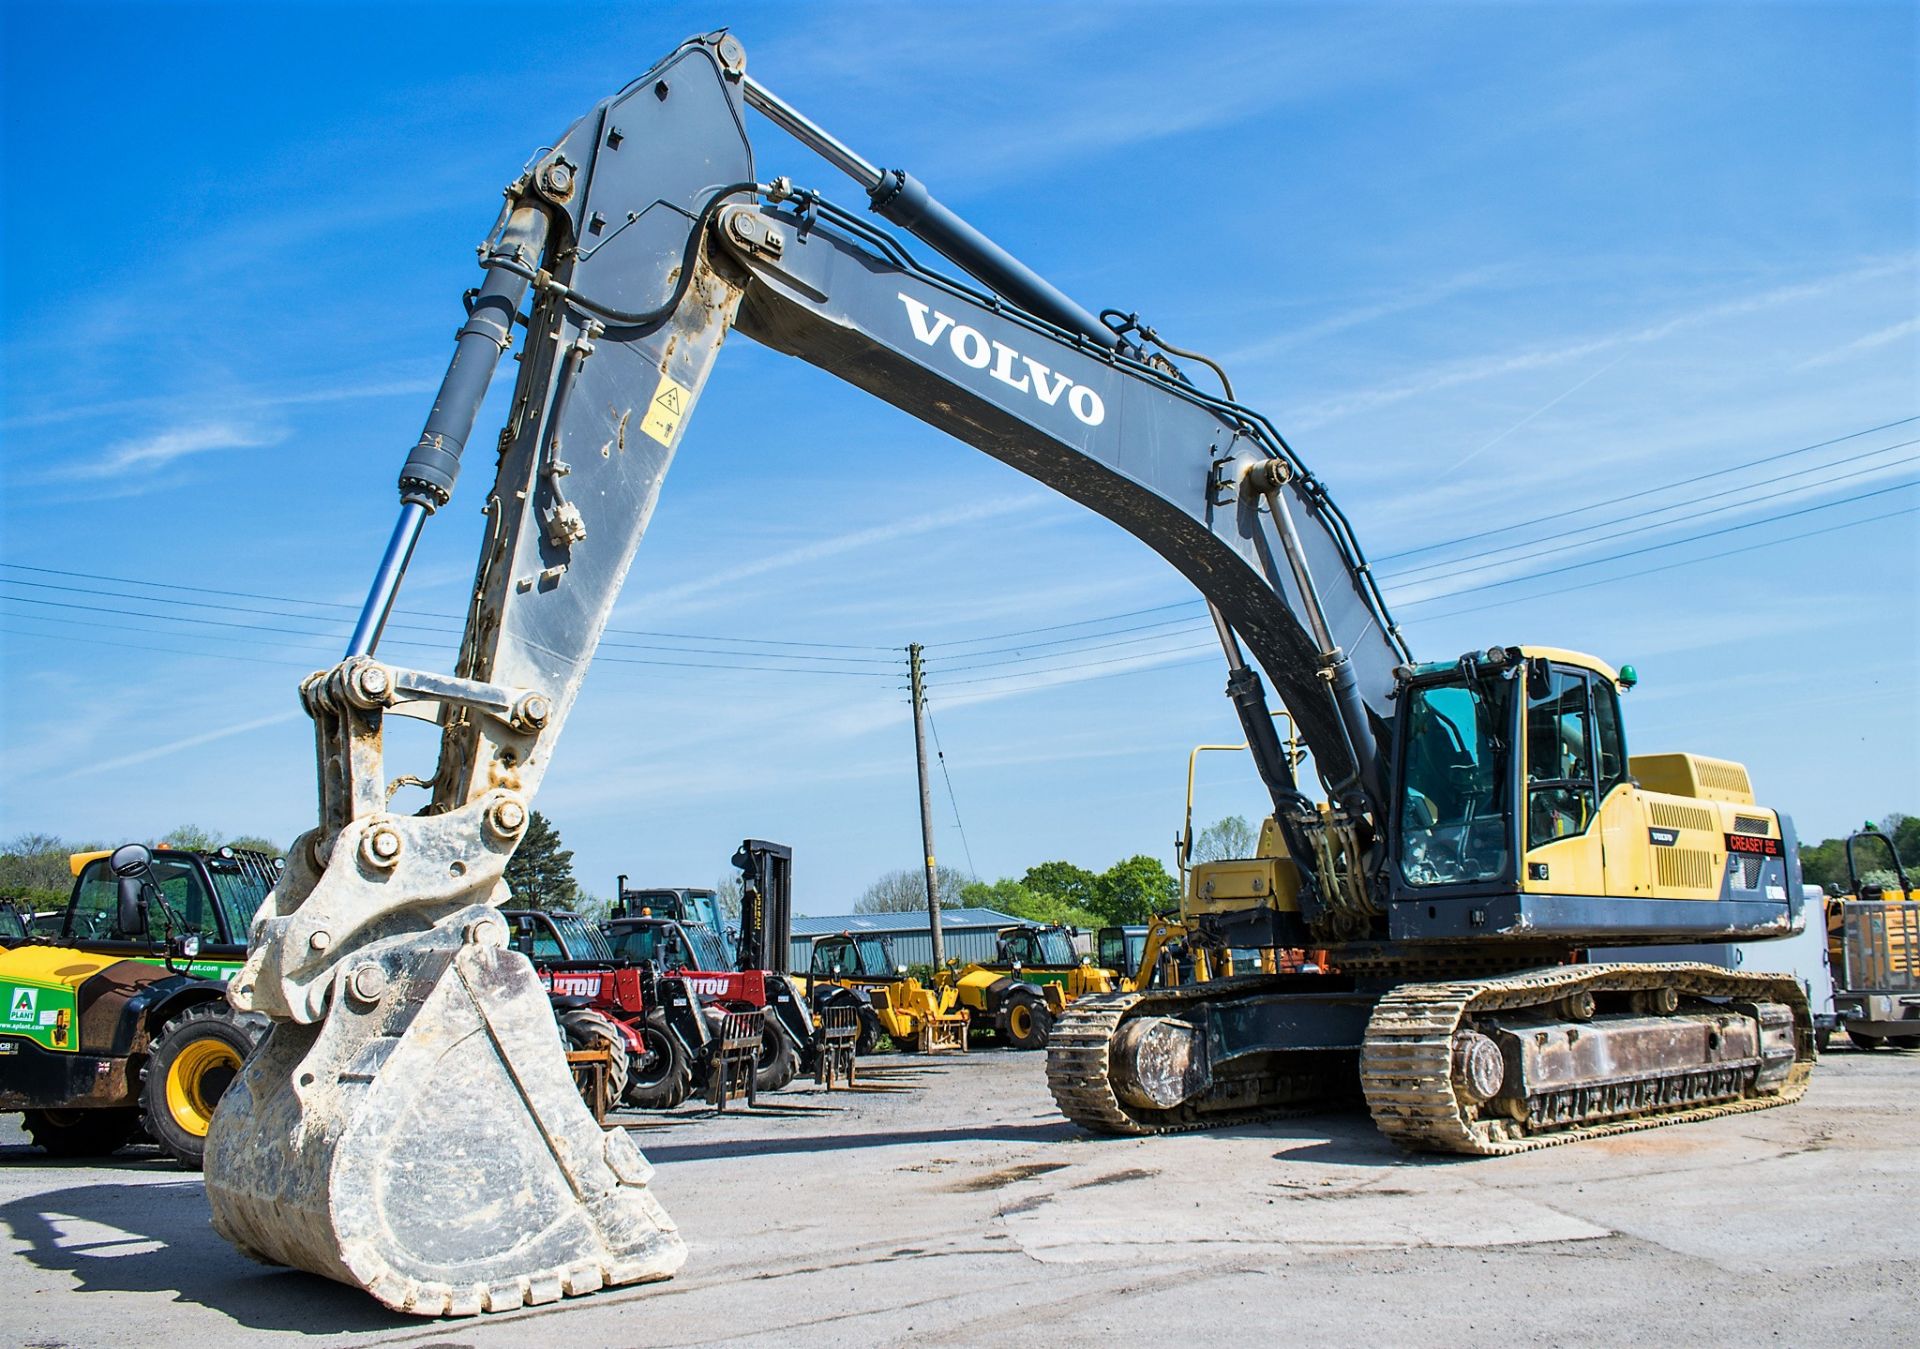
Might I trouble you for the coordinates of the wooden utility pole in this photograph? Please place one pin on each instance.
(926, 804)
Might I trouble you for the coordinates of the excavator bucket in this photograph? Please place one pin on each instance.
(432, 1148)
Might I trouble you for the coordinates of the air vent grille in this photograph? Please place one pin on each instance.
(1682, 868)
(1672, 815)
(1723, 777)
(1752, 824)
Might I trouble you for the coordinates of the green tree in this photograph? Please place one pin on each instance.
(190, 838)
(727, 889)
(1013, 897)
(37, 862)
(1064, 883)
(1225, 838)
(254, 843)
(905, 891)
(1134, 890)
(540, 873)
(1825, 863)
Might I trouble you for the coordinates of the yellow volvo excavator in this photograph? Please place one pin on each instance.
(409, 1125)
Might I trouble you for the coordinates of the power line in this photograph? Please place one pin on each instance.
(941, 754)
(418, 613)
(1062, 641)
(1674, 566)
(258, 628)
(1467, 538)
(1671, 543)
(1187, 629)
(1645, 491)
(1039, 681)
(1061, 627)
(310, 634)
(1083, 665)
(1721, 498)
(135, 646)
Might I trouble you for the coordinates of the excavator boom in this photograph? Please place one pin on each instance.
(409, 1125)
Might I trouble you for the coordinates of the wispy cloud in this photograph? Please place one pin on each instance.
(233, 401)
(1484, 368)
(844, 543)
(1906, 328)
(190, 742)
(1402, 300)
(149, 453)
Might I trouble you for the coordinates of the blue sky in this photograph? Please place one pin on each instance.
(1482, 264)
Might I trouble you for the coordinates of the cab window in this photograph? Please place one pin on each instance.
(1610, 742)
(832, 956)
(1017, 948)
(1560, 757)
(181, 905)
(533, 938)
(1454, 806)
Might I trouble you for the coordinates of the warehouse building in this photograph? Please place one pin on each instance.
(967, 934)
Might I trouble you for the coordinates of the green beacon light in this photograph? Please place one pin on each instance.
(1628, 676)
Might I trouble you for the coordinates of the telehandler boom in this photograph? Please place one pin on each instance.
(409, 1125)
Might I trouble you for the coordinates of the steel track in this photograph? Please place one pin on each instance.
(1406, 1063)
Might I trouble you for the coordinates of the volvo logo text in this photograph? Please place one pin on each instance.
(971, 348)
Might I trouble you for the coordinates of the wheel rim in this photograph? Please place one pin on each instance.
(1020, 1021)
(196, 1081)
(651, 1065)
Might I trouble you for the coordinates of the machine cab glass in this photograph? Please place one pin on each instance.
(1024, 946)
(1539, 734)
(851, 958)
(1456, 782)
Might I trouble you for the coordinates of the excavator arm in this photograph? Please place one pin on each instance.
(623, 256)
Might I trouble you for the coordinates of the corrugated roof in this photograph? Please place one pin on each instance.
(804, 925)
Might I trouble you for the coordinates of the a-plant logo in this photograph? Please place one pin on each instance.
(24, 1005)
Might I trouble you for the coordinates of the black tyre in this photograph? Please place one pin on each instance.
(81, 1133)
(779, 1061)
(1027, 1022)
(1822, 1039)
(1866, 1042)
(870, 1032)
(907, 1044)
(1904, 1041)
(659, 1077)
(195, 1058)
(588, 1029)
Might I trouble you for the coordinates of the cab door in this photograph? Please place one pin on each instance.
(1623, 814)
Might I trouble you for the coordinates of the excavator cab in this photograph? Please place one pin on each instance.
(1522, 816)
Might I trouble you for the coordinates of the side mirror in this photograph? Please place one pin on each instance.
(900, 970)
(131, 865)
(1538, 685)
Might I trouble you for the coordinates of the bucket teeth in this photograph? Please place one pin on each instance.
(429, 1146)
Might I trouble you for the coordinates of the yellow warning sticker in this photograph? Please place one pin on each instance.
(672, 401)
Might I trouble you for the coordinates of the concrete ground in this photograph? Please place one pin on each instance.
(947, 1203)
